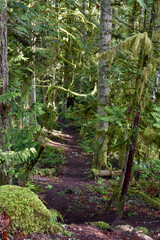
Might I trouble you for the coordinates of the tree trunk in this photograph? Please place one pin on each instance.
(129, 162)
(33, 80)
(67, 72)
(126, 174)
(155, 88)
(100, 159)
(4, 107)
(3, 69)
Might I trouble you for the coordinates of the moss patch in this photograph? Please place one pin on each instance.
(26, 210)
(101, 225)
(141, 229)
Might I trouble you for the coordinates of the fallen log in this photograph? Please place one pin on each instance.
(105, 173)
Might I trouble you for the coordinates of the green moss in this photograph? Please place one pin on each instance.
(150, 201)
(141, 229)
(46, 172)
(55, 215)
(101, 225)
(26, 210)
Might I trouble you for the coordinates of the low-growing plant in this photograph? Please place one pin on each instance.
(87, 133)
(147, 170)
(132, 214)
(13, 163)
(49, 186)
(33, 187)
(51, 157)
(99, 189)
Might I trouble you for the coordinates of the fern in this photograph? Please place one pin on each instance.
(141, 3)
(156, 116)
(114, 114)
(13, 162)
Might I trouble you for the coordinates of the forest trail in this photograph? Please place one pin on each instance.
(72, 177)
(71, 194)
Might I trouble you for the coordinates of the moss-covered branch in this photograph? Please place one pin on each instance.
(72, 92)
(150, 201)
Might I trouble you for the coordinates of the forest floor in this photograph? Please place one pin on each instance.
(81, 200)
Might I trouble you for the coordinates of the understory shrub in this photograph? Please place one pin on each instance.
(51, 157)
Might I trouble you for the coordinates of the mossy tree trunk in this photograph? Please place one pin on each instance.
(67, 73)
(66, 77)
(128, 164)
(100, 158)
(139, 104)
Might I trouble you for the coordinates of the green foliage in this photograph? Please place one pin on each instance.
(26, 210)
(141, 229)
(99, 189)
(147, 170)
(156, 116)
(15, 162)
(31, 186)
(115, 114)
(132, 214)
(102, 225)
(87, 133)
(49, 186)
(49, 117)
(55, 216)
(141, 2)
(51, 157)
(146, 198)
(43, 172)
(59, 44)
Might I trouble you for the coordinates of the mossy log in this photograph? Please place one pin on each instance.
(105, 173)
(150, 201)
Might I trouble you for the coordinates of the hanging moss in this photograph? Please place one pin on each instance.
(108, 56)
(147, 44)
(150, 68)
(126, 45)
(134, 44)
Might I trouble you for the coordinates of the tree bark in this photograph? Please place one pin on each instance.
(100, 159)
(129, 164)
(3, 68)
(67, 67)
(155, 88)
(4, 107)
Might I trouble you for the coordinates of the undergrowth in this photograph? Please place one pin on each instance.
(51, 157)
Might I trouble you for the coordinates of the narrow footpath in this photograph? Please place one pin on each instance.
(71, 194)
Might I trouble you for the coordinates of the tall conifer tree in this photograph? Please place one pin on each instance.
(100, 159)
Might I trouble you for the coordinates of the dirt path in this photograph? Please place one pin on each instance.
(65, 194)
(71, 194)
